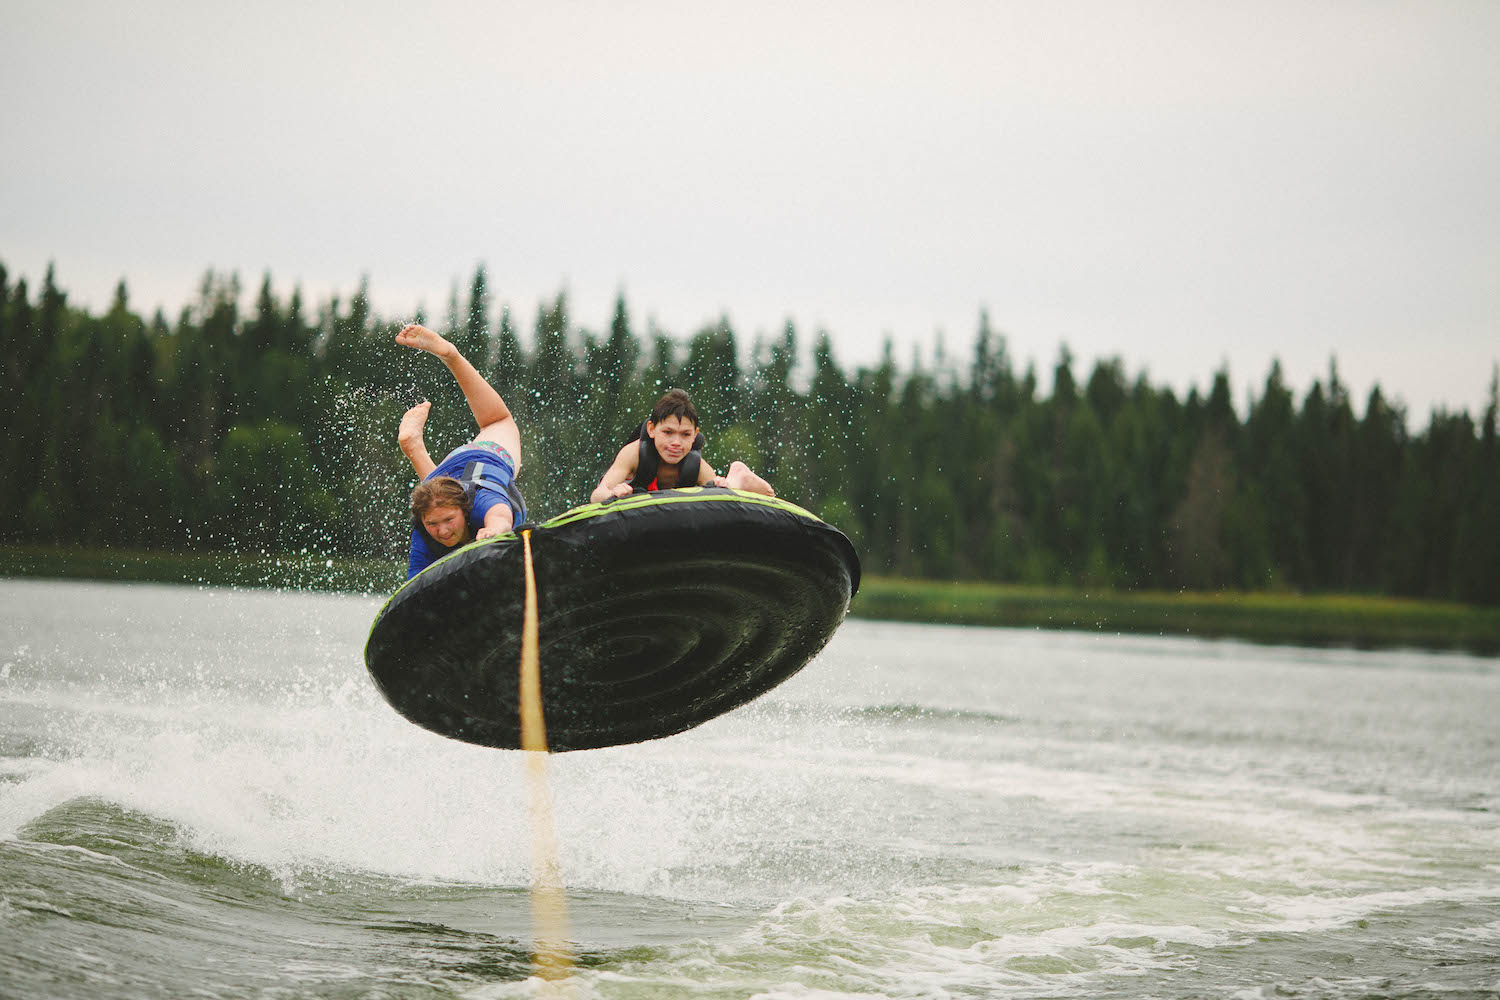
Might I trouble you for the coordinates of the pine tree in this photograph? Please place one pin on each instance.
(510, 364)
(473, 340)
(617, 366)
(1273, 454)
(711, 374)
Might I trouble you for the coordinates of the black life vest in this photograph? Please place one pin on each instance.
(649, 461)
(477, 476)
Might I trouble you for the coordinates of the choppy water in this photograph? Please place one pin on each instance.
(202, 795)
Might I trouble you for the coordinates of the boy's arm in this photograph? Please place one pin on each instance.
(497, 521)
(420, 556)
(409, 437)
(616, 481)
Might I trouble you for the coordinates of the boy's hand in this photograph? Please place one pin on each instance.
(621, 489)
(498, 521)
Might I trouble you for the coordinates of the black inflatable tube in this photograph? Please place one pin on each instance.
(657, 613)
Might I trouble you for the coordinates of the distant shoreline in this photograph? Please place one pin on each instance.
(1364, 621)
(1359, 620)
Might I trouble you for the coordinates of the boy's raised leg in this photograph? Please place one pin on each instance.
(490, 412)
(413, 444)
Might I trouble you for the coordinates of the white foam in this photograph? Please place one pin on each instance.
(1318, 912)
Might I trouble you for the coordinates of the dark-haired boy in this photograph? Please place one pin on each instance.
(667, 455)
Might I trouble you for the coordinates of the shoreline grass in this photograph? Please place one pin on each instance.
(261, 570)
(1363, 621)
(1359, 620)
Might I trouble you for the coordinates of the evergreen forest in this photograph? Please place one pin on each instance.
(270, 428)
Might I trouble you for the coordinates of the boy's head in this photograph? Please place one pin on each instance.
(442, 507)
(674, 404)
(673, 426)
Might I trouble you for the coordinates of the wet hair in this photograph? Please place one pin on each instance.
(674, 404)
(439, 491)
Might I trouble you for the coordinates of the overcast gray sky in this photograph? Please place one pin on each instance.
(1180, 184)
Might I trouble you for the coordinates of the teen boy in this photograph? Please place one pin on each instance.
(667, 456)
(471, 493)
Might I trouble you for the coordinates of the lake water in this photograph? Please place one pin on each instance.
(201, 794)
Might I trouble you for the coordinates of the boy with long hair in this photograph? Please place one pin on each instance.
(471, 493)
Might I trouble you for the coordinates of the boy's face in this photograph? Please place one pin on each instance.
(446, 525)
(673, 438)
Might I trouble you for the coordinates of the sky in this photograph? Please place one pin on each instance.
(1185, 186)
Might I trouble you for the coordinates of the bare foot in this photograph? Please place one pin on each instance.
(739, 477)
(423, 339)
(412, 423)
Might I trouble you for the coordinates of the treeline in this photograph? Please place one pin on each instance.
(273, 430)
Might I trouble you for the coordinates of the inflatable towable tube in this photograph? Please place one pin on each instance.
(657, 613)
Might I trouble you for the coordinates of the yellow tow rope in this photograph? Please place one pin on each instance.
(551, 955)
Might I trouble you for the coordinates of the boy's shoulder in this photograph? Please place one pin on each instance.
(630, 452)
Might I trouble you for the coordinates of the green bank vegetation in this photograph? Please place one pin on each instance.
(294, 571)
(264, 436)
(1322, 619)
(1318, 619)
